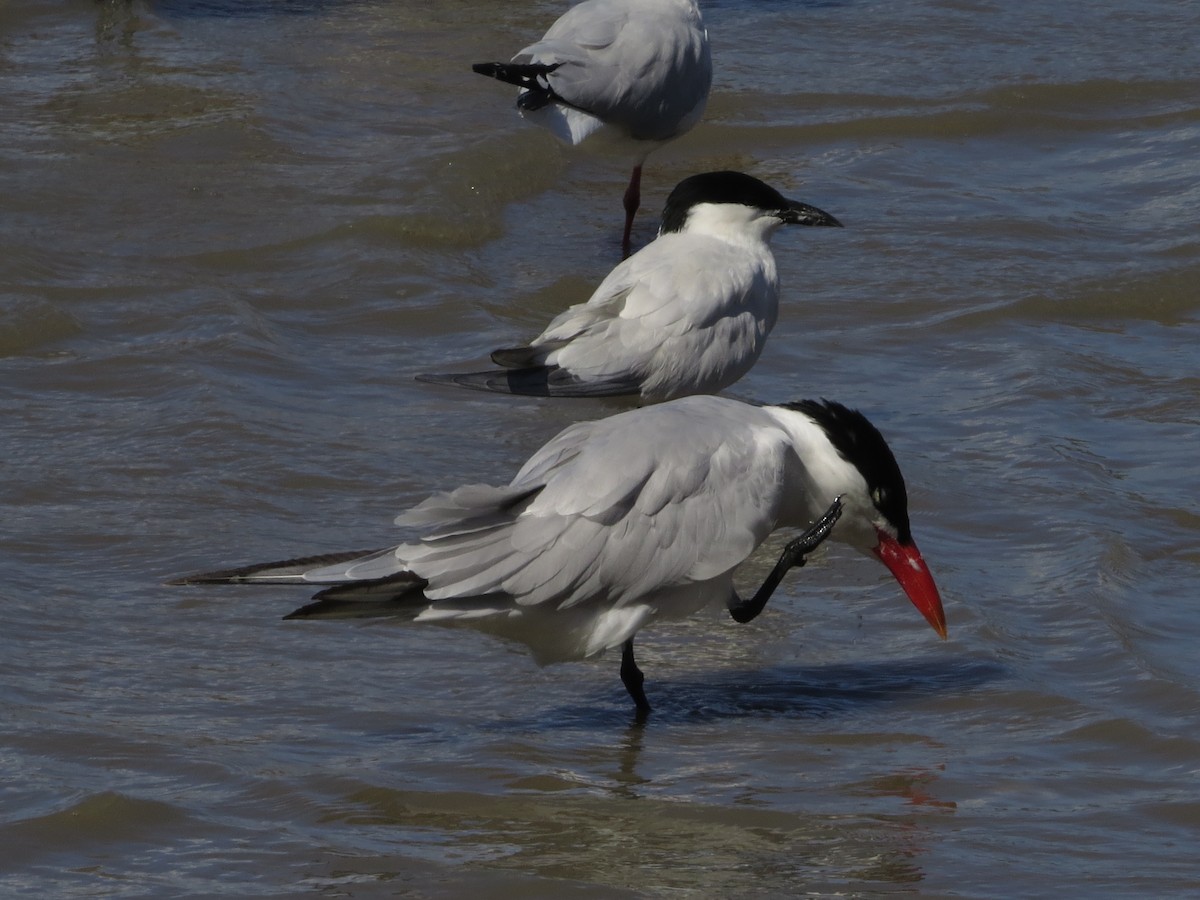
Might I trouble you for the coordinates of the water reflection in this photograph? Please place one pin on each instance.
(626, 779)
(116, 24)
(567, 795)
(914, 785)
(607, 840)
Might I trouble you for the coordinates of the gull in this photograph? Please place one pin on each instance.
(637, 70)
(636, 518)
(689, 313)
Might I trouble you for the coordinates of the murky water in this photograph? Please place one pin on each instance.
(233, 232)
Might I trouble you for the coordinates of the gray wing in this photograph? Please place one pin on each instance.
(686, 314)
(617, 509)
(642, 64)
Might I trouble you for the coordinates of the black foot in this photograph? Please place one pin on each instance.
(793, 556)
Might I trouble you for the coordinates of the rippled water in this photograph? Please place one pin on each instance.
(234, 231)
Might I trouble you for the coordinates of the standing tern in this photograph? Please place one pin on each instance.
(689, 313)
(637, 70)
(615, 523)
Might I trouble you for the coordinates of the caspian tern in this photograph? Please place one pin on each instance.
(619, 522)
(689, 313)
(637, 70)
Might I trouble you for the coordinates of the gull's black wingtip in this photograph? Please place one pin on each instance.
(522, 75)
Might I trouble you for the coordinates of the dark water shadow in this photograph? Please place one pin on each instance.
(802, 692)
(242, 9)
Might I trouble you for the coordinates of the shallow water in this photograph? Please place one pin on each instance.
(232, 234)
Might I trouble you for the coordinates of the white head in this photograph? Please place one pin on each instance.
(850, 458)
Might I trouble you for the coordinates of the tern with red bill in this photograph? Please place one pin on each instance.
(638, 71)
(614, 524)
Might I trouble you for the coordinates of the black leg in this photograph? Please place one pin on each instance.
(633, 678)
(791, 557)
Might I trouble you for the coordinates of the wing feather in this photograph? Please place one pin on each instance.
(672, 499)
(653, 323)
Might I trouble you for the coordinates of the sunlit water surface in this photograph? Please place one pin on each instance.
(232, 234)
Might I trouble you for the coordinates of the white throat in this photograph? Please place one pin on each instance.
(732, 222)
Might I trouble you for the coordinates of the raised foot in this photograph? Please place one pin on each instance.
(793, 556)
